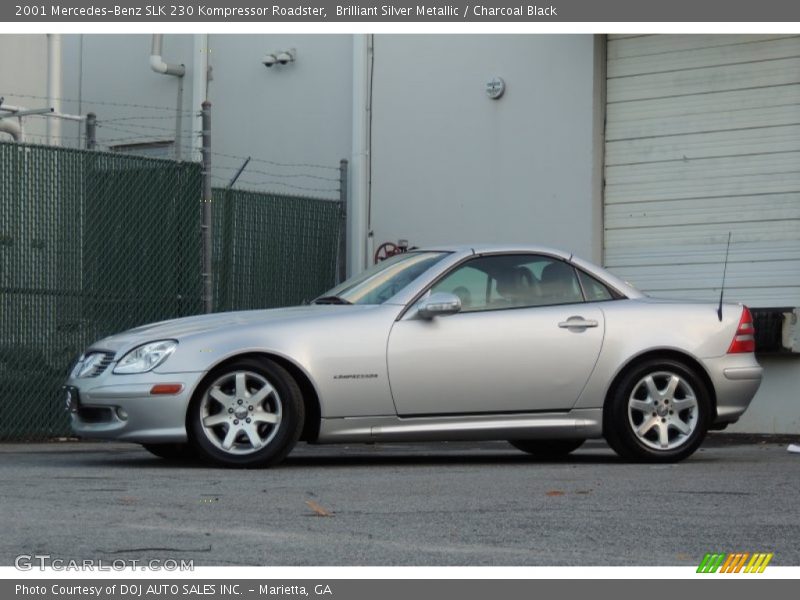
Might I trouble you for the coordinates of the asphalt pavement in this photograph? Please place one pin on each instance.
(400, 504)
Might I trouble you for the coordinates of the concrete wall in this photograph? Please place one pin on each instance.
(299, 113)
(776, 407)
(110, 76)
(451, 165)
(23, 73)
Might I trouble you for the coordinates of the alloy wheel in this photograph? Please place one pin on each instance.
(241, 412)
(663, 410)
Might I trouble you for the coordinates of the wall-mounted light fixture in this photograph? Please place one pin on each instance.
(279, 57)
(495, 88)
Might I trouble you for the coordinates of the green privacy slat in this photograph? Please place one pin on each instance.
(272, 250)
(93, 243)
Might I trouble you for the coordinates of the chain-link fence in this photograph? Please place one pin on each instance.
(90, 243)
(93, 243)
(273, 250)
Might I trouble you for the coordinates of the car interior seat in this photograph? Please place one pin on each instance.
(558, 283)
(517, 287)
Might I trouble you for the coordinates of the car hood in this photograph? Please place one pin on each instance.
(182, 328)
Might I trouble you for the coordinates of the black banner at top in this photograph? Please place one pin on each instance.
(400, 11)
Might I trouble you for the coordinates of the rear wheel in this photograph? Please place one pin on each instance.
(247, 414)
(547, 448)
(659, 412)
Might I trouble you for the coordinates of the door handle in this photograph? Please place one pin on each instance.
(577, 323)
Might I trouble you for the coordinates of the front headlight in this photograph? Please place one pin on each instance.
(146, 357)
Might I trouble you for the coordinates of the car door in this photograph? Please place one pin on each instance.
(524, 341)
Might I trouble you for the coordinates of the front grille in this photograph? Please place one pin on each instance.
(100, 367)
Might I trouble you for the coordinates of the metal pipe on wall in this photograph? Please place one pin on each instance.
(158, 65)
(359, 171)
(13, 129)
(54, 86)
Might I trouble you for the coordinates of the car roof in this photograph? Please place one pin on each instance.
(597, 271)
(499, 249)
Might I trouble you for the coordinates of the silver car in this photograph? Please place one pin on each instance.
(525, 344)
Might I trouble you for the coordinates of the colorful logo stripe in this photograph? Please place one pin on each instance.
(735, 562)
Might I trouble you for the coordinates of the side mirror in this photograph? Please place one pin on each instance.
(439, 304)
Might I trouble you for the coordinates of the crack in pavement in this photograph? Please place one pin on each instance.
(154, 549)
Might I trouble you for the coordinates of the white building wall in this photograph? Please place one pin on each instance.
(776, 407)
(450, 165)
(23, 79)
(110, 75)
(299, 113)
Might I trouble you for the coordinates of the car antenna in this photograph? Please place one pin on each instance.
(724, 271)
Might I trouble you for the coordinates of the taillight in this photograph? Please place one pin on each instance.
(744, 340)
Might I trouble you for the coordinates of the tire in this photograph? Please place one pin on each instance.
(658, 412)
(171, 451)
(547, 448)
(248, 413)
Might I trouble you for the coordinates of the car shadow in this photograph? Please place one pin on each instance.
(333, 456)
(411, 459)
(439, 459)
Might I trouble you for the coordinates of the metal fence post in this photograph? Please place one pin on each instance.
(91, 131)
(205, 223)
(341, 262)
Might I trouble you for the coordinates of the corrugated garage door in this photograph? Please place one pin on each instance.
(703, 138)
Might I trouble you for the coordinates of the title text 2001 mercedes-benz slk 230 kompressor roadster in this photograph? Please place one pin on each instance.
(525, 344)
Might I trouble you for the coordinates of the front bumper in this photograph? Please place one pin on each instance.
(736, 379)
(121, 407)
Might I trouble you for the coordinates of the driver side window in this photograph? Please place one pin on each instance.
(471, 285)
(512, 281)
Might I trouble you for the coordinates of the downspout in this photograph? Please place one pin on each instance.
(158, 65)
(359, 194)
(54, 87)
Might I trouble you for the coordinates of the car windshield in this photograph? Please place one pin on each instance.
(382, 281)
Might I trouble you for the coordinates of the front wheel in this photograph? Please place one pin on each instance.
(547, 448)
(659, 412)
(247, 414)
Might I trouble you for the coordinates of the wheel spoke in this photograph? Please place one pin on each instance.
(645, 406)
(252, 435)
(262, 416)
(647, 426)
(261, 394)
(682, 404)
(669, 392)
(652, 390)
(230, 437)
(217, 394)
(214, 420)
(241, 385)
(681, 426)
(663, 435)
